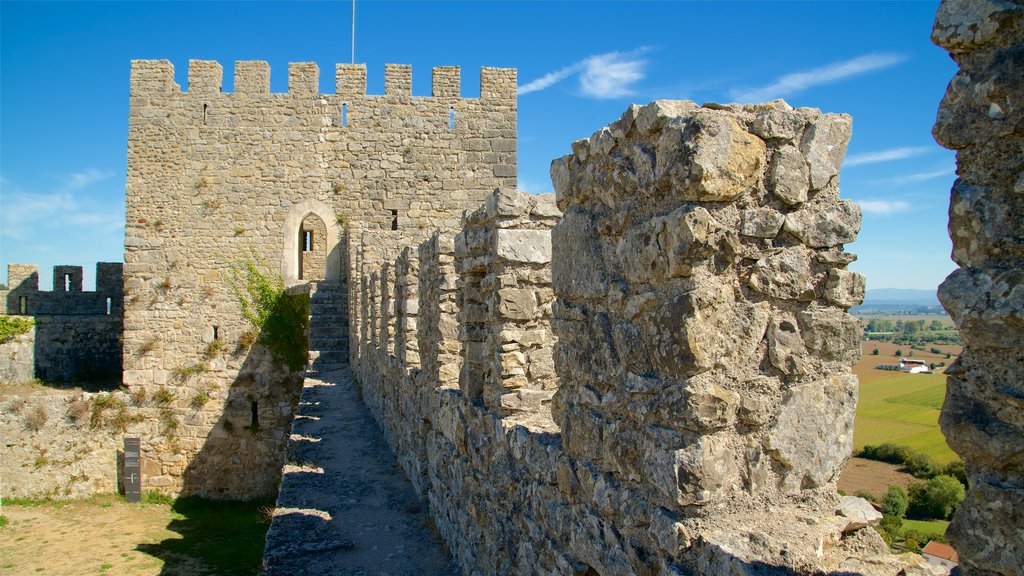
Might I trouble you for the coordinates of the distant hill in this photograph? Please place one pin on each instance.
(899, 301)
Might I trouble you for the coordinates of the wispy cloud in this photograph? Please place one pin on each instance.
(915, 178)
(25, 212)
(602, 76)
(799, 81)
(883, 207)
(885, 155)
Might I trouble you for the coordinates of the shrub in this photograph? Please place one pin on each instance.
(138, 396)
(938, 498)
(15, 406)
(898, 352)
(163, 396)
(895, 503)
(874, 352)
(112, 412)
(36, 419)
(213, 349)
(199, 400)
(957, 470)
(920, 464)
(79, 409)
(935, 350)
(11, 326)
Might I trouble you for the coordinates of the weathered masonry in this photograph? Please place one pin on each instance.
(77, 333)
(288, 180)
(982, 118)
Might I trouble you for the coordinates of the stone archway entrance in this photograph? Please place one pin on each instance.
(311, 247)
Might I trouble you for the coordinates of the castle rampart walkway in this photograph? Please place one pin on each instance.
(344, 506)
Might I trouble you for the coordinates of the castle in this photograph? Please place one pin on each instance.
(650, 368)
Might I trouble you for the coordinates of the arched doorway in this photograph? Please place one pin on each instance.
(312, 248)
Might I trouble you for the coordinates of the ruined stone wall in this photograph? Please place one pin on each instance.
(705, 441)
(50, 448)
(217, 177)
(78, 333)
(981, 117)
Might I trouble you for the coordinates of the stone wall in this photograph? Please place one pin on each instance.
(50, 448)
(215, 178)
(983, 415)
(707, 439)
(78, 333)
(18, 358)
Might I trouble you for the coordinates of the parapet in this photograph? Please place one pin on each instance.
(153, 77)
(67, 297)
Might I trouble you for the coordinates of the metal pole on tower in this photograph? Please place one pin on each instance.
(353, 31)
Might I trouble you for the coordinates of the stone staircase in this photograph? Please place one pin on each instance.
(328, 326)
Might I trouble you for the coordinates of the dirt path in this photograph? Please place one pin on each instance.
(345, 507)
(97, 536)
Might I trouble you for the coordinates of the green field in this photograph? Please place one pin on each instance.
(936, 527)
(902, 409)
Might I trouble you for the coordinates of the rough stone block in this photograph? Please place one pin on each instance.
(526, 246)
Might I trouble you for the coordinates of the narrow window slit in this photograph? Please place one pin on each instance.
(205, 107)
(344, 114)
(307, 240)
(254, 409)
(216, 332)
(110, 306)
(67, 282)
(394, 219)
(451, 117)
(23, 305)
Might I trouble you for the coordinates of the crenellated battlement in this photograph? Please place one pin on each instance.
(252, 77)
(67, 298)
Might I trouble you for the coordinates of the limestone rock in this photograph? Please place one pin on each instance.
(859, 513)
(517, 303)
(844, 288)
(717, 162)
(529, 246)
(786, 349)
(962, 25)
(824, 145)
(778, 124)
(761, 223)
(833, 226)
(788, 176)
(831, 333)
(813, 432)
(786, 275)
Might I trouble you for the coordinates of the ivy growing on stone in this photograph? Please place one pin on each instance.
(281, 319)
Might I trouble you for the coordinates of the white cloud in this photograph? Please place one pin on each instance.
(883, 207)
(915, 178)
(26, 213)
(602, 76)
(550, 79)
(885, 155)
(798, 81)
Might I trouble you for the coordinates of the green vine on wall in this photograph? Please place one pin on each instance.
(280, 319)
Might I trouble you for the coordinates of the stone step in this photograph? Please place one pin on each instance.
(328, 343)
(326, 320)
(320, 357)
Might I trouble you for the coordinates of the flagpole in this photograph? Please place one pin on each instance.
(353, 31)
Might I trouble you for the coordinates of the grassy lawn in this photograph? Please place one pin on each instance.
(105, 535)
(933, 527)
(898, 407)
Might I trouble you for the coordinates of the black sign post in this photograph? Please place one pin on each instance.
(132, 473)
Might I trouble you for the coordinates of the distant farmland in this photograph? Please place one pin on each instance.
(901, 408)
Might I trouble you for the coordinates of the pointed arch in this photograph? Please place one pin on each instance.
(292, 233)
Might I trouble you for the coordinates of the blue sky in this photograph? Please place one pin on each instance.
(64, 94)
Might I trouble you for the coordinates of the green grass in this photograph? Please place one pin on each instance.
(936, 527)
(902, 409)
(227, 537)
